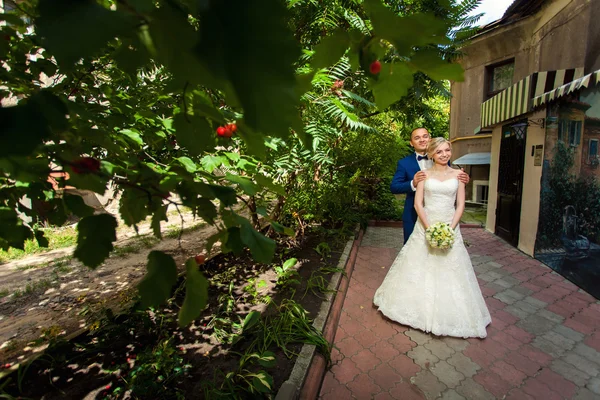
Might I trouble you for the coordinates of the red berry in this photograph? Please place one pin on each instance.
(200, 258)
(107, 387)
(221, 131)
(232, 127)
(228, 133)
(85, 165)
(375, 67)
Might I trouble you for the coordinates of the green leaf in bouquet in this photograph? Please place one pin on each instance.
(330, 49)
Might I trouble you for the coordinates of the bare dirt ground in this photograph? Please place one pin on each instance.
(52, 295)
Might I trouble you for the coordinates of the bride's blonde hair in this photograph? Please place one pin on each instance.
(434, 144)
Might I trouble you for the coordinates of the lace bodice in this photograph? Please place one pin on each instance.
(440, 199)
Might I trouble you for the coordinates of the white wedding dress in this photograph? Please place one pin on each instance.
(430, 289)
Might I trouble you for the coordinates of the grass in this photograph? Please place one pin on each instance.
(57, 238)
(143, 242)
(174, 233)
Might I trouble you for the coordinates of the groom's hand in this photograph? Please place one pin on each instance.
(419, 177)
(463, 177)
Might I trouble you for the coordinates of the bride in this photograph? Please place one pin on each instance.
(431, 289)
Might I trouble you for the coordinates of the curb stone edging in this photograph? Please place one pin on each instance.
(291, 389)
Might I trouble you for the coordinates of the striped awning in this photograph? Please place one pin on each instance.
(585, 81)
(520, 97)
(507, 104)
(474, 159)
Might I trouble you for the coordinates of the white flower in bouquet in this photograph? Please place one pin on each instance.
(440, 235)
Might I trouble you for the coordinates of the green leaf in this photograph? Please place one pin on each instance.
(234, 240)
(26, 125)
(94, 242)
(133, 207)
(187, 162)
(262, 381)
(155, 288)
(249, 187)
(267, 359)
(277, 227)
(194, 134)
(261, 247)
(429, 62)
(159, 215)
(269, 184)
(289, 263)
(133, 136)
(226, 195)
(93, 182)
(75, 29)
(77, 206)
(41, 239)
(12, 231)
(261, 210)
(210, 163)
(196, 294)
(406, 32)
(219, 236)
(330, 49)
(251, 319)
(392, 84)
(206, 210)
(263, 76)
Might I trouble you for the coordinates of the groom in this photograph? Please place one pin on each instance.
(409, 173)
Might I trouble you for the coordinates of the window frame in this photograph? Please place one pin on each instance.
(489, 77)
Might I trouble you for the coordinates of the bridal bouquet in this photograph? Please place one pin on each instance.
(440, 235)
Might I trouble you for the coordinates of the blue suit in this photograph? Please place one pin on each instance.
(405, 172)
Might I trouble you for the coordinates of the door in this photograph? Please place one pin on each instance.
(510, 181)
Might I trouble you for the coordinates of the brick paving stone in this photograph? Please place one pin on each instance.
(402, 343)
(523, 364)
(479, 356)
(594, 385)
(520, 334)
(404, 366)
(578, 326)
(509, 296)
(588, 352)
(464, 364)
(384, 351)
(518, 312)
(345, 371)
(525, 306)
(557, 383)
(582, 364)
(585, 394)
(451, 394)
(538, 390)
(518, 394)
(363, 387)
(570, 373)
(535, 302)
(559, 340)
(506, 340)
(525, 291)
(407, 391)
(329, 383)
(339, 392)
(473, 390)
(385, 376)
(429, 384)
(447, 374)
(494, 348)
(439, 349)
(536, 325)
(418, 337)
(568, 333)
(508, 373)
(493, 383)
(383, 396)
(534, 354)
(504, 316)
(365, 360)
(455, 343)
(548, 347)
(549, 315)
(422, 357)
(349, 346)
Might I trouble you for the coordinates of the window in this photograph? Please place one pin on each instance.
(593, 151)
(569, 132)
(481, 190)
(500, 77)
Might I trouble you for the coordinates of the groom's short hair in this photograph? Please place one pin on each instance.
(416, 129)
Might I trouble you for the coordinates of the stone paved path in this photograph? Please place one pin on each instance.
(543, 343)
